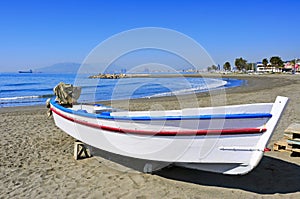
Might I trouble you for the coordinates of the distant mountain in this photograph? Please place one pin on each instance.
(93, 69)
(60, 68)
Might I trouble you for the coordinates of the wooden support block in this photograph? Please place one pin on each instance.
(295, 153)
(296, 150)
(287, 136)
(295, 147)
(294, 142)
(282, 145)
(80, 151)
(296, 136)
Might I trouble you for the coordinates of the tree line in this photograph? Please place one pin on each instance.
(242, 64)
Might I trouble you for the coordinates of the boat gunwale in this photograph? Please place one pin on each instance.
(198, 132)
(156, 118)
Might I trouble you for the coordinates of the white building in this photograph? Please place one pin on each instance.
(267, 69)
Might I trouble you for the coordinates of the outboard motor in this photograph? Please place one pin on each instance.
(66, 95)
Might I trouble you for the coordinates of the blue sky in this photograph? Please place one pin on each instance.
(41, 33)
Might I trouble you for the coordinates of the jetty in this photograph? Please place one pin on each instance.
(108, 76)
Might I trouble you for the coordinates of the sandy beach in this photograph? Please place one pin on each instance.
(37, 158)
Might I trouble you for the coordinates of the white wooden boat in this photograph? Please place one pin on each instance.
(227, 139)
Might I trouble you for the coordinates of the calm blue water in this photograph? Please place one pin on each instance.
(18, 89)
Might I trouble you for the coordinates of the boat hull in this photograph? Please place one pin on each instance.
(229, 140)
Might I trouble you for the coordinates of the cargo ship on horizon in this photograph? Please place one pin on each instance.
(28, 71)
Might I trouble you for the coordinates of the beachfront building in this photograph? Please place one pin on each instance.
(291, 66)
(260, 68)
(288, 67)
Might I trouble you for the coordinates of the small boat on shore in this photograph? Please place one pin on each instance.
(226, 139)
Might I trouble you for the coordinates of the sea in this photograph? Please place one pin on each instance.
(31, 89)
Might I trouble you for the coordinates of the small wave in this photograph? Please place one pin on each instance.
(18, 98)
(25, 97)
(22, 90)
(216, 84)
(21, 84)
(32, 102)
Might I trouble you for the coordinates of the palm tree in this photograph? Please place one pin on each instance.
(227, 66)
(265, 62)
(240, 63)
(214, 67)
(276, 62)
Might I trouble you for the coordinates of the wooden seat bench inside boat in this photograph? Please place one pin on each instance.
(94, 109)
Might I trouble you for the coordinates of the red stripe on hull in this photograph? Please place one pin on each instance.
(165, 133)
